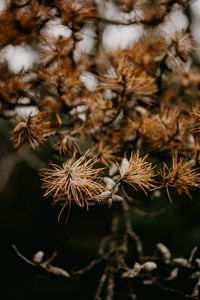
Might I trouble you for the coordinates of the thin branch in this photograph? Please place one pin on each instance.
(143, 213)
(110, 286)
(89, 266)
(22, 256)
(194, 250)
(130, 231)
(170, 289)
(51, 258)
(100, 285)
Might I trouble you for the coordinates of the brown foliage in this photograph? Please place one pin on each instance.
(97, 108)
(182, 176)
(33, 129)
(76, 180)
(138, 173)
(75, 13)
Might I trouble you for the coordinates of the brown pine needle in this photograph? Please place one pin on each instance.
(75, 180)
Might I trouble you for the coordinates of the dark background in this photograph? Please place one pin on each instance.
(30, 222)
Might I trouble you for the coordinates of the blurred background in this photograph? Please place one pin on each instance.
(30, 222)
